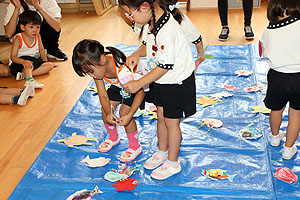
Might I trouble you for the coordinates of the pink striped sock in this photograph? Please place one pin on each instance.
(112, 131)
(133, 140)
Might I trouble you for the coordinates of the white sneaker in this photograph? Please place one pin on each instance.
(35, 84)
(155, 160)
(20, 76)
(288, 153)
(275, 139)
(25, 94)
(166, 170)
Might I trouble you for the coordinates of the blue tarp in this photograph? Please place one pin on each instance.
(57, 172)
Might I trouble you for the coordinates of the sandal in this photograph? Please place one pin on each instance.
(107, 145)
(130, 154)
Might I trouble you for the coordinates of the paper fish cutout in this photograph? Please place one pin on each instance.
(243, 72)
(76, 140)
(114, 176)
(126, 77)
(217, 174)
(227, 87)
(219, 95)
(150, 110)
(139, 113)
(96, 162)
(212, 123)
(92, 89)
(256, 88)
(123, 172)
(260, 108)
(249, 132)
(84, 194)
(285, 174)
(127, 184)
(207, 101)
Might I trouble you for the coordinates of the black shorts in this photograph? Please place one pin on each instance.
(15, 68)
(115, 95)
(282, 88)
(177, 100)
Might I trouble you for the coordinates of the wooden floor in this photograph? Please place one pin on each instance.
(24, 131)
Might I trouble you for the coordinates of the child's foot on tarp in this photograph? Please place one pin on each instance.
(154, 161)
(166, 170)
(275, 139)
(289, 152)
(108, 145)
(130, 154)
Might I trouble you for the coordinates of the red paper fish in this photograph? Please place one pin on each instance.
(127, 184)
(285, 174)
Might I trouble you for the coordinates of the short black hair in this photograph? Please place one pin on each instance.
(277, 8)
(29, 16)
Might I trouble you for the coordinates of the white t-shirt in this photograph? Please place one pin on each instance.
(170, 51)
(190, 31)
(281, 45)
(50, 6)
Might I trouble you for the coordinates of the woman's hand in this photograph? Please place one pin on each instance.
(17, 4)
(36, 4)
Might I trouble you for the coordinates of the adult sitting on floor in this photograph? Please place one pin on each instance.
(50, 27)
(4, 70)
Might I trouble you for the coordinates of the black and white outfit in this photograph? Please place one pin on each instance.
(168, 48)
(280, 44)
(50, 37)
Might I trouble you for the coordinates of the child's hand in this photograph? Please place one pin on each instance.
(132, 61)
(111, 118)
(124, 120)
(199, 60)
(27, 64)
(132, 86)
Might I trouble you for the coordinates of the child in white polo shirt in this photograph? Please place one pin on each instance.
(171, 68)
(280, 44)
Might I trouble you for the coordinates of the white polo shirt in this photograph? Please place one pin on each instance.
(281, 45)
(170, 51)
(50, 6)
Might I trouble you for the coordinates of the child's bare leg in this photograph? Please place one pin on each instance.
(275, 120)
(131, 127)
(5, 99)
(43, 69)
(174, 138)
(27, 72)
(4, 70)
(293, 127)
(10, 91)
(162, 131)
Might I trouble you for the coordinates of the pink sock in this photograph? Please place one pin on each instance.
(133, 140)
(112, 131)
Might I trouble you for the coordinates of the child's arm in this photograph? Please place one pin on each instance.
(200, 55)
(105, 102)
(153, 75)
(14, 54)
(134, 58)
(138, 99)
(42, 50)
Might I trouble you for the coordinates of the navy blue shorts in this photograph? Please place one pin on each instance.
(282, 88)
(177, 100)
(15, 68)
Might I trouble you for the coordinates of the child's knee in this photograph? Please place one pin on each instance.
(48, 66)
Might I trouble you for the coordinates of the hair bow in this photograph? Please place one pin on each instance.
(172, 7)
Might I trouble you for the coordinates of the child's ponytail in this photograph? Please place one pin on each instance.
(119, 56)
(171, 6)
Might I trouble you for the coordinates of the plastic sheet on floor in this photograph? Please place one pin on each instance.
(57, 172)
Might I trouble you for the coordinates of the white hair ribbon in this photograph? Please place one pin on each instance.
(172, 7)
